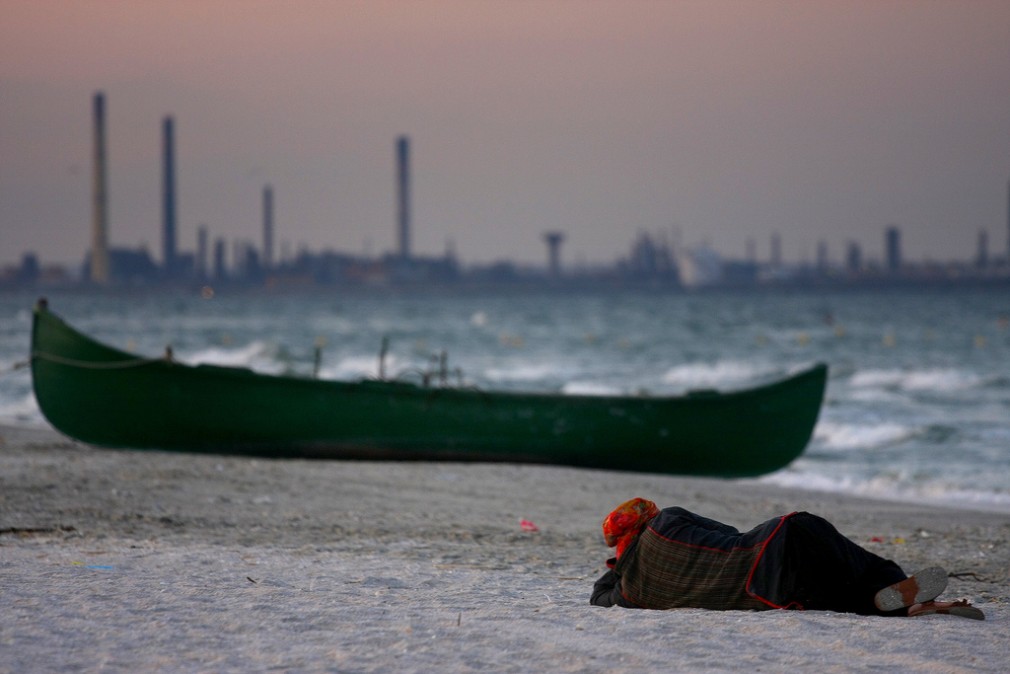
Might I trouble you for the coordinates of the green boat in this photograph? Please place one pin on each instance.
(103, 396)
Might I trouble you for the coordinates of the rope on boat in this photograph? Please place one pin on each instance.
(97, 365)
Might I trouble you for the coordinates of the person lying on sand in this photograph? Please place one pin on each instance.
(673, 558)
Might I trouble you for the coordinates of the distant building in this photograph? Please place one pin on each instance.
(98, 268)
(201, 252)
(651, 261)
(220, 271)
(892, 245)
(168, 198)
(128, 266)
(700, 267)
(268, 228)
(403, 194)
(854, 258)
(29, 271)
(822, 258)
(554, 240)
(982, 257)
(776, 253)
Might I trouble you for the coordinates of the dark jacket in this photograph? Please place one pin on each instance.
(684, 560)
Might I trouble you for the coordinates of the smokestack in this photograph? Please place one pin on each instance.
(220, 272)
(268, 228)
(982, 258)
(201, 252)
(554, 240)
(892, 246)
(776, 259)
(99, 271)
(403, 194)
(168, 198)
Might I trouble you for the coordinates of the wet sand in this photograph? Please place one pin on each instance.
(150, 561)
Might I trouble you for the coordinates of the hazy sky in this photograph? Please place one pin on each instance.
(704, 121)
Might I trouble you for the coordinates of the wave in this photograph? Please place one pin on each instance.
(525, 372)
(22, 411)
(255, 353)
(706, 375)
(358, 367)
(585, 388)
(945, 380)
(894, 487)
(839, 436)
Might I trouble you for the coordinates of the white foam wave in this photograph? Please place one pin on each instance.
(917, 380)
(253, 353)
(893, 487)
(834, 435)
(527, 372)
(698, 375)
(22, 411)
(586, 388)
(357, 367)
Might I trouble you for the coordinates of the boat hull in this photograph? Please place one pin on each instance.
(104, 396)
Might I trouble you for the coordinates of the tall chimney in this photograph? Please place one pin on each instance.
(220, 272)
(201, 252)
(168, 198)
(99, 272)
(554, 240)
(403, 194)
(268, 228)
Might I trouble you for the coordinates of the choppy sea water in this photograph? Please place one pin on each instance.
(917, 406)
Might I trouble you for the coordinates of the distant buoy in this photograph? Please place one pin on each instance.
(889, 339)
(803, 339)
(980, 341)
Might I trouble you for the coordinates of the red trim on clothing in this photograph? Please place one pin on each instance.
(750, 576)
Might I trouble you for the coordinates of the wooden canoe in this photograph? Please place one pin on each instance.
(101, 395)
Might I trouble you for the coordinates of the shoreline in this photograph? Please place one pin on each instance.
(116, 560)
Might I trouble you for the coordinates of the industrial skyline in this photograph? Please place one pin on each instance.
(718, 122)
(106, 264)
(254, 264)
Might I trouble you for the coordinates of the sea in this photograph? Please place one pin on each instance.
(917, 407)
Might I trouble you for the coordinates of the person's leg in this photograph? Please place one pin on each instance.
(827, 571)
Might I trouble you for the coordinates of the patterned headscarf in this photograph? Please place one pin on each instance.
(626, 522)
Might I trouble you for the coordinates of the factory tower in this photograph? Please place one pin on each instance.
(99, 271)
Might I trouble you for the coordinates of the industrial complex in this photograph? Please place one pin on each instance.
(650, 261)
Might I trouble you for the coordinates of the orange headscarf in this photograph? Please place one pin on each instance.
(626, 522)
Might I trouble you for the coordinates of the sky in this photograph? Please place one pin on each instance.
(711, 122)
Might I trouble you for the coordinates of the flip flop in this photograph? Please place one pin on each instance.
(961, 609)
(920, 587)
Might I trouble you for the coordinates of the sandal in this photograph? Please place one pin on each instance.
(961, 609)
(920, 587)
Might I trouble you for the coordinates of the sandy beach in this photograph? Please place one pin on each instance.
(130, 561)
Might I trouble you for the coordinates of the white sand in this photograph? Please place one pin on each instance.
(129, 561)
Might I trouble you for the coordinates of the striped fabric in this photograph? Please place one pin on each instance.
(685, 560)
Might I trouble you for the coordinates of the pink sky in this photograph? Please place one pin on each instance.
(704, 121)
